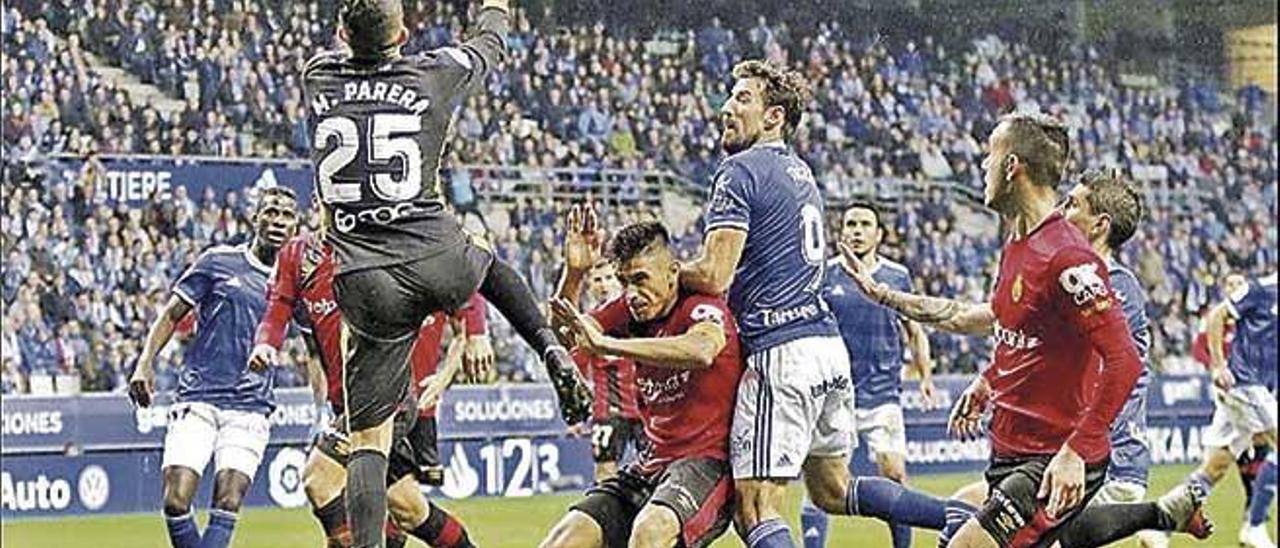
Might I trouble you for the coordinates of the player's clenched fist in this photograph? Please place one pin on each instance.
(262, 357)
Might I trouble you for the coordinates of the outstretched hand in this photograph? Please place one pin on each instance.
(583, 241)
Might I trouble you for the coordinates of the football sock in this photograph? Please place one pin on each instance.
(395, 537)
(1264, 491)
(510, 294)
(1102, 524)
(183, 531)
(442, 530)
(770, 533)
(958, 512)
(892, 502)
(1198, 478)
(333, 519)
(813, 525)
(222, 524)
(367, 496)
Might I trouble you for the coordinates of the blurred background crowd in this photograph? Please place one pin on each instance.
(83, 278)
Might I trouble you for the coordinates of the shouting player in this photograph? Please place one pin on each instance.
(222, 406)
(688, 363)
(765, 246)
(873, 336)
(380, 120)
(304, 280)
(1245, 401)
(1054, 318)
(615, 422)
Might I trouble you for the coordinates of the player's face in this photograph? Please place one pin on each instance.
(276, 220)
(602, 283)
(742, 117)
(1076, 209)
(860, 230)
(649, 283)
(997, 169)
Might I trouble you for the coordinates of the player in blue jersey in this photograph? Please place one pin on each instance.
(1245, 401)
(221, 407)
(765, 246)
(874, 337)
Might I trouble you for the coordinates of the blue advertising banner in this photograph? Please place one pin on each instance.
(142, 180)
(97, 453)
(129, 481)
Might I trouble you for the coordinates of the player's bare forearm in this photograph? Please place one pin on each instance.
(946, 314)
(918, 342)
(162, 329)
(570, 286)
(1215, 335)
(695, 349)
(712, 272)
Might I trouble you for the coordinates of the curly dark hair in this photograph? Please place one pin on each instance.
(372, 25)
(635, 239)
(782, 88)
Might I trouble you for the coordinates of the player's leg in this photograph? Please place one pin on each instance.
(888, 442)
(833, 490)
(960, 508)
(1227, 436)
(421, 518)
(324, 479)
(769, 408)
(510, 294)
(426, 444)
(1262, 421)
(690, 507)
(604, 517)
(188, 446)
(1179, 510)
(241, 442)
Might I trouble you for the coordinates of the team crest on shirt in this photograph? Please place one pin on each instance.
(1016, 292)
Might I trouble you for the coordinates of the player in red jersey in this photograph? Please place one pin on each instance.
(615, 420)
(1052, 315)
(688, 363)
(425, 360)
(303, 282)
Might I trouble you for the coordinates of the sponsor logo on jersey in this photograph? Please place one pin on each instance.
(1014, 338)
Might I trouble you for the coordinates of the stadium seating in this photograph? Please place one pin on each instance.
(580, 98)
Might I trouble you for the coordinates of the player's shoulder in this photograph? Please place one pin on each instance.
(325, 59)
(219, 254)
(894, 268)
(698, 308)
(442, 58)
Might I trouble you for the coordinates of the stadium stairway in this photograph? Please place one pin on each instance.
(139, 92)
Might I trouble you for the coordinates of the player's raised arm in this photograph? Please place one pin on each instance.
(142, 383)
(581, 251)
(480, 55)
(961, 317)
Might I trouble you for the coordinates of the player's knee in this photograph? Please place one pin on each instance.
(175, 504)
(655, 527)
(892, 466)
(972, 535)
(228, 500)
(406, 505)
(1216, 463)
(229, 489)
(322, 480)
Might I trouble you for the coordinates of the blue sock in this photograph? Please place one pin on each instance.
(770, 533)
(894, 503)
(1198, 478)
(813, 524)
(958, 512)
(901, 535)
(222, 524)
(1264, 491)
(183, 531)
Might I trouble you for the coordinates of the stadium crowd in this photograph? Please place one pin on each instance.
(82, 279)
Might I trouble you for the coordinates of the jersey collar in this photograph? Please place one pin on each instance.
(776, 143)
(253, 259)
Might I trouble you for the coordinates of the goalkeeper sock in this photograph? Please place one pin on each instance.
(367, 496)
(510, 294)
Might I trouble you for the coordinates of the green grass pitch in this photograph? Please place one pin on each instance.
(521, 523)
